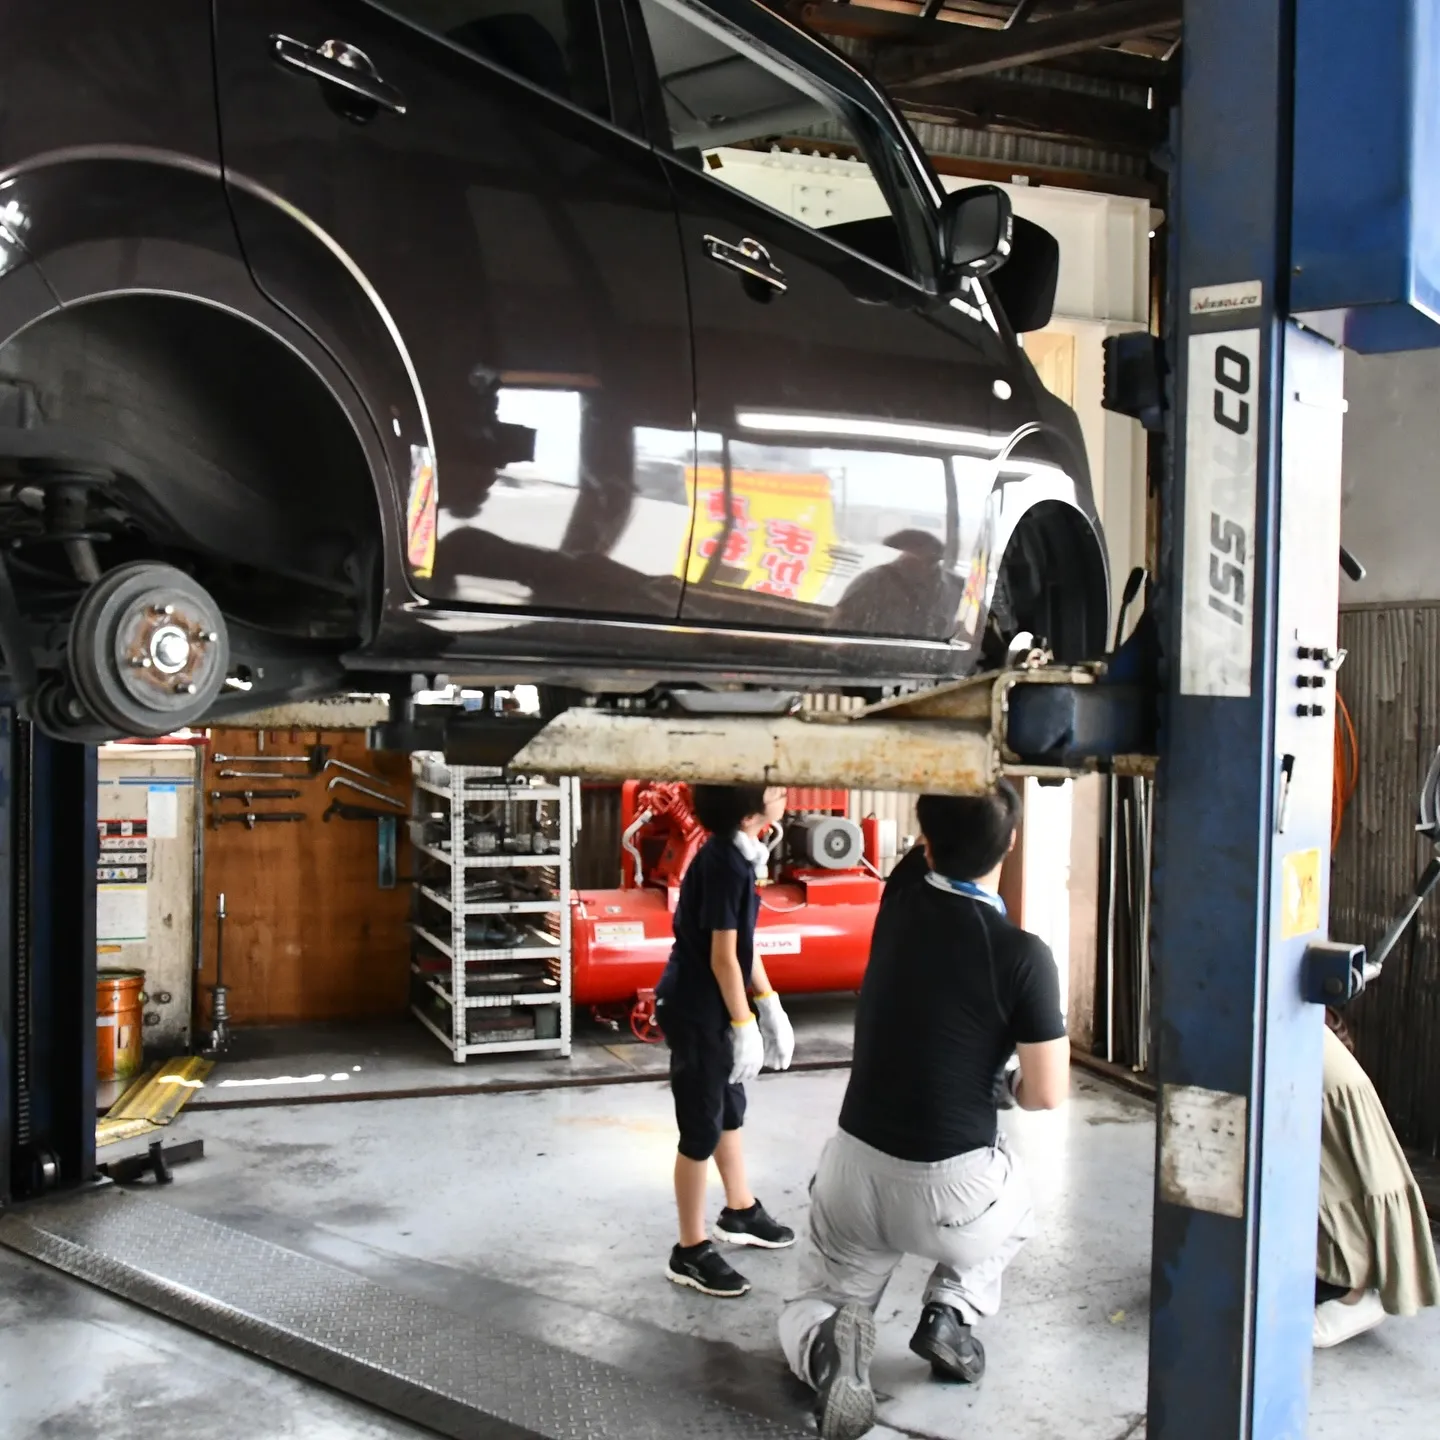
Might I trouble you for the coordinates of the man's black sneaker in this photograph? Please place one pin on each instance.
(944, 1339)
(703, 1268)
(755, 1226)
(839, 1366)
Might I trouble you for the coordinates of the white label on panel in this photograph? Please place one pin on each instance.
(121, 912)
(163, 812)
(619, 932)
(776, 944)
(1225, 299)
(1221, 453)
(1202, 1149)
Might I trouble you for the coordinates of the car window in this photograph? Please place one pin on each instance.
(724, 103)
(554, 44)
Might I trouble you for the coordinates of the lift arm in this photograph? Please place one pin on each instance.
(958, 739)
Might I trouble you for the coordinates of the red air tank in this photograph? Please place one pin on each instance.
(813, 932)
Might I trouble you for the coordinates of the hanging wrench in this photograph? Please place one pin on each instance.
(354, 770)
(315, 760)
(261, 759)
(248, 819)
(247, 797)
(366, 790)
(259, 775)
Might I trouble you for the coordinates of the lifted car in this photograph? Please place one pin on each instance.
(339, 339)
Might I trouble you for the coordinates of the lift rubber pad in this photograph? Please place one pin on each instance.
(452, 1374)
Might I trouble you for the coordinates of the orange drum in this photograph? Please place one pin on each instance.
(119, 1021)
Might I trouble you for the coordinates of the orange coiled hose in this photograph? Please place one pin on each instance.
(1347, 769)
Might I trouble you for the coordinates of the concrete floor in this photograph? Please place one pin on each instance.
(551, 1214)
(316, 1064)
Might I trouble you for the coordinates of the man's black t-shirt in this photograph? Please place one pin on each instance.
(717, 893)
(952, 987)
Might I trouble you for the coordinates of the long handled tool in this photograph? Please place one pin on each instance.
(219, 995)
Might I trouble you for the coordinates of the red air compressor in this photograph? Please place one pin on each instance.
(815, 917)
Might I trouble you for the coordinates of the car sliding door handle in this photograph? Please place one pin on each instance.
(344, 66)
(751, 259)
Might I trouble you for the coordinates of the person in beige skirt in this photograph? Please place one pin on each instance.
(1375, 1255)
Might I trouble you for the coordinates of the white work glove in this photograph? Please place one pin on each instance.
(1007, 1084)
(776, 1031)
(747, 1051)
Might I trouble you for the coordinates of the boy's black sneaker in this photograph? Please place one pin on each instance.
(839, 1367)
(703, 1268)
(944, 1339)
(755, 1226)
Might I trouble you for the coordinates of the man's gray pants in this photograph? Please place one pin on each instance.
(970, 1214)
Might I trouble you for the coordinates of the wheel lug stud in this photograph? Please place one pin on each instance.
(141, 662)
(183, 689)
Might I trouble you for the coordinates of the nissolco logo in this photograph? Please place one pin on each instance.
(1226, 299)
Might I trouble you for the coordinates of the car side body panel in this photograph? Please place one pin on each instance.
(122, 191)
(526, 250)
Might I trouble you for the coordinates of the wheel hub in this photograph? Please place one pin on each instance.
(148, 649)
(169, 649)
(161, 647)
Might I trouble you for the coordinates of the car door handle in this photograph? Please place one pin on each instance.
(750, 258)
(340, 64)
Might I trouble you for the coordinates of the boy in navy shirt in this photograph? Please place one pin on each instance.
(716, 1041)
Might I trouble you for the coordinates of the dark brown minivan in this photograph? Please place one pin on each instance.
(341, 338)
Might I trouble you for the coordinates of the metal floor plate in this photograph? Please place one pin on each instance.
(448, 1372)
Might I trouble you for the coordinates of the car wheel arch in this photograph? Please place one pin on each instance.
(100, 219)
(282, 362)
(1070, 608)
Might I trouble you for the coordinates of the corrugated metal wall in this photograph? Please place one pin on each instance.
(1391, 684)
(596, 862)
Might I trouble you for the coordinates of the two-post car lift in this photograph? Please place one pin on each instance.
(1305, 185)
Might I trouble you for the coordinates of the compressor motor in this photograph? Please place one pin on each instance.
(827, 842)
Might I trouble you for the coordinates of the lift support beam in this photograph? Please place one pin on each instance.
(957, 739)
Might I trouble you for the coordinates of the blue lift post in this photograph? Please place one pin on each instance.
(48, 851)
(1307, 152)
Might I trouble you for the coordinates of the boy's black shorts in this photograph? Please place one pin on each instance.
(706, 1103)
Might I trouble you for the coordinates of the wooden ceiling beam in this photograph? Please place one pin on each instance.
(1034, 110)
(861, 22)
(981, 52)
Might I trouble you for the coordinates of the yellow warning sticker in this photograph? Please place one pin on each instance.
(1300, 898)
(421, 512)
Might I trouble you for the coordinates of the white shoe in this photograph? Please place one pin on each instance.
(1336, 1322)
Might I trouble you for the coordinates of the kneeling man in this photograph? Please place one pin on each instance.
(952, 994)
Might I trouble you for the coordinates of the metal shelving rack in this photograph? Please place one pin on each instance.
(467, 786)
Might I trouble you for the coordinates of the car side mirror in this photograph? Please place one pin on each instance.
(976, 230)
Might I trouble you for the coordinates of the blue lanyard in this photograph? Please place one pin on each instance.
(968, 888)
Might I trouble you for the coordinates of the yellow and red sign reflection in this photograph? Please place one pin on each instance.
(781, 532)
